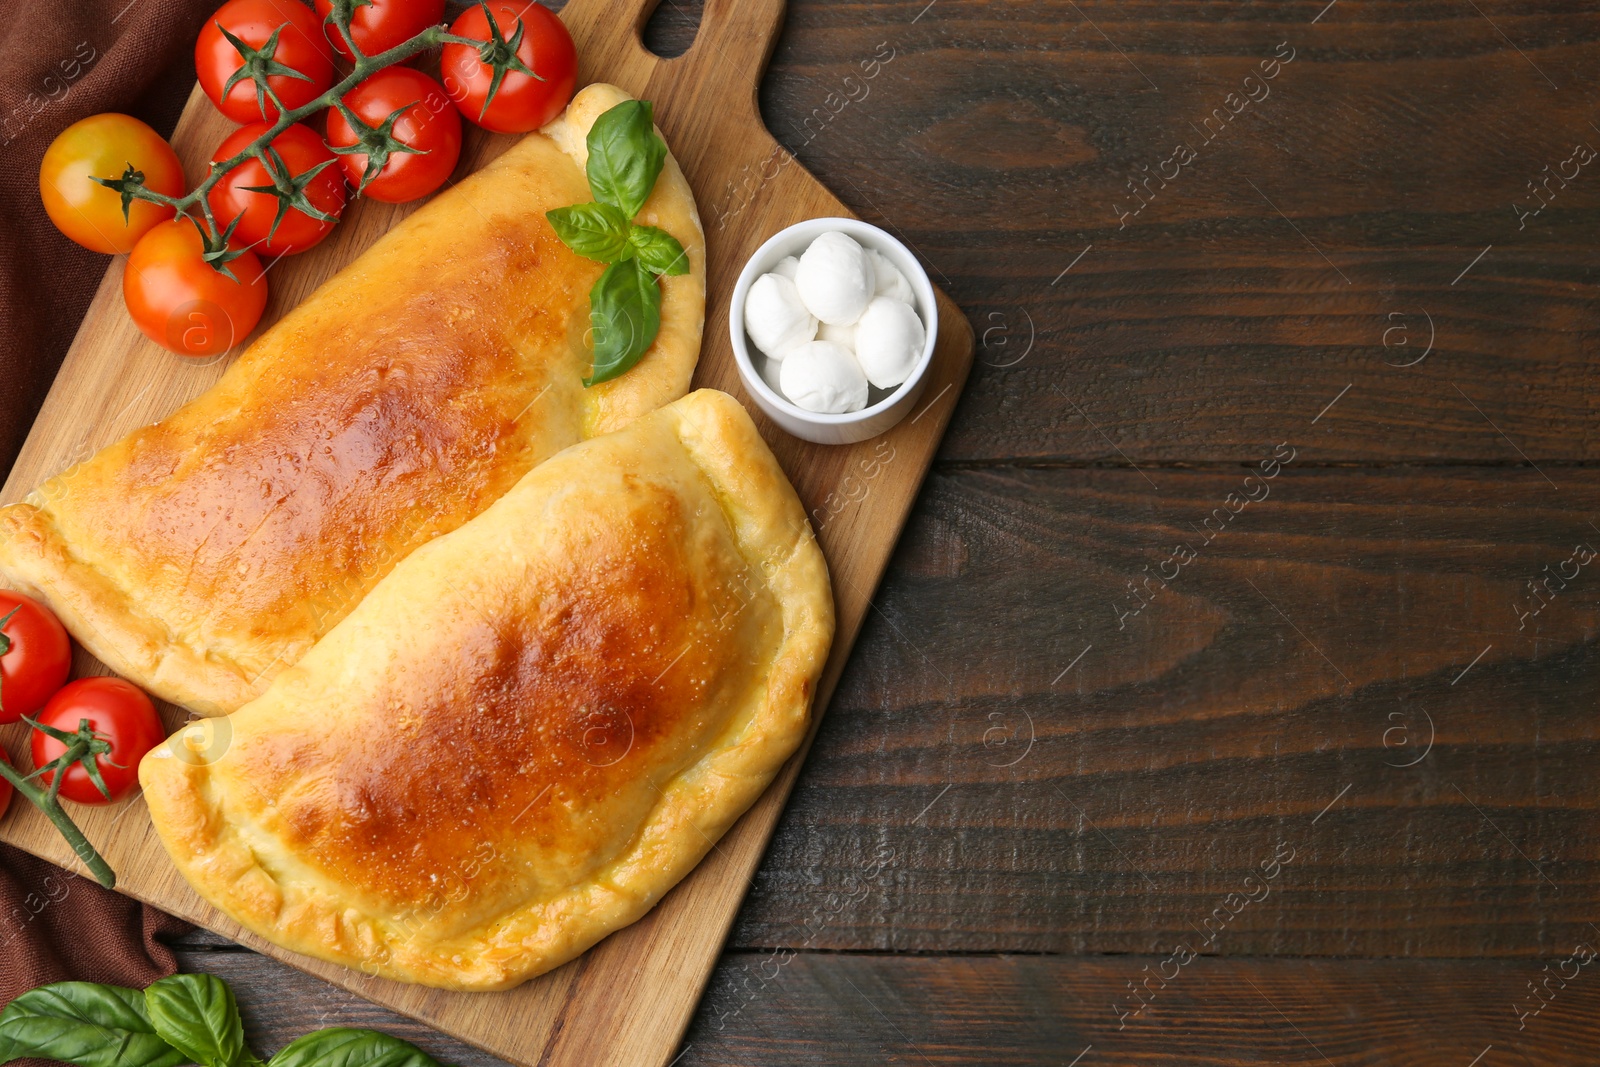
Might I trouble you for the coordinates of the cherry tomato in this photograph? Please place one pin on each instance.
(105, 146)
(301, 150)
(5, 786)
(300, 46)
(381, 24)
(36, 659)
(118, 712)
(183, 303)
(430, 123)
(521, 103)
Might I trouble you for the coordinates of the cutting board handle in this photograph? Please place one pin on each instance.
(729, 53)
(736, 39)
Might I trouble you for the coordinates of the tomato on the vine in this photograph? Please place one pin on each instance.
(119, 713)
(183, 303)
(35, 656)
(106, 146)
(301, 151)
(298, 64)
(379, 25)
(5, 786)
(520, 103)
(428, 122)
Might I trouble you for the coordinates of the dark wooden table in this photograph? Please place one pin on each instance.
(1232, 696)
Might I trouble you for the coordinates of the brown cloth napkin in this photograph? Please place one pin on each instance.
(61, 60)
(56, 926)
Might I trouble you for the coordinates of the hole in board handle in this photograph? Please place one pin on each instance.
(672, 27)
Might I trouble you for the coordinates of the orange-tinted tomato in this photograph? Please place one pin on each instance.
(105, 146)
(184, 304)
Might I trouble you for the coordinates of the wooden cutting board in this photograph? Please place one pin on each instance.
(628, 1000)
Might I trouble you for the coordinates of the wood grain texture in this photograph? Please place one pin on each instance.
(1208, 329)
(638, 987)
(1011, 1011)
(989, 1011)
(1001, 139)
(980, 787)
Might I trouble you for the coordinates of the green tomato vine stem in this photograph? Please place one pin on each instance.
(48, 803)
(363, 68)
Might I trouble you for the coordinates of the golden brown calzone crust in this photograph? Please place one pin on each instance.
(532, 728)
(201, 555)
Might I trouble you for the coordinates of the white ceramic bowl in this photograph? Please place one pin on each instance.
(884, 407)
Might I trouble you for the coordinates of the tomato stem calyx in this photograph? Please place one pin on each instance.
(131, 179)
(83, 746)
(341, 14)
(258, 66)
(289, 189)
(377, 143)
(500, 54)
(216, 251)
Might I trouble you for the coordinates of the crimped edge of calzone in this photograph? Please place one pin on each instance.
(696, 808)
(37, 560)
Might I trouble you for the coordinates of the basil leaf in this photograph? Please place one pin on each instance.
(594, 231)
(658, 250)
(340, 1047)
(625, 312)
(625, 156)
(197, 1015)
(86, 1024)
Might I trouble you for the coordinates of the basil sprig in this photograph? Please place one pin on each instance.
(625, 159)
(188, 1018)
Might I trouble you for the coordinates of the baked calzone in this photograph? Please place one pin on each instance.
(199, 556)
(532, 728)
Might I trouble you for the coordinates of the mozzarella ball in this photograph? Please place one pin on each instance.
(824, 377)
(887, 279)
(775, 318)
(788, 266)
(835, 279)
(889, 341)
(839, 335)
